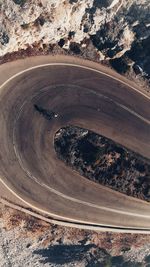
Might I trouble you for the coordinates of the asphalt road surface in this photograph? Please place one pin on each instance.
(84, 94)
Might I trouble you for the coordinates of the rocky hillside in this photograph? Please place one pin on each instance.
(29, 242)
(117, 31)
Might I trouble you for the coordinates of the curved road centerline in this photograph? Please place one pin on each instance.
(58, 192)
(73, 65)
(27, 140)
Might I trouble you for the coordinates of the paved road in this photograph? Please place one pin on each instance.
(84, 94)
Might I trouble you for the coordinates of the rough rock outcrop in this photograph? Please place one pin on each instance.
(116, 30)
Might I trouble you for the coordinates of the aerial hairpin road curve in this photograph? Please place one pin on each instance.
(85, 94)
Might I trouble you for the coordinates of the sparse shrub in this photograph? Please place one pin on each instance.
(107, 264)
(73, 1)
(75, 48)
(19, 2)
(61, 42)
(102, 3)
(132, 264)
(25, 26)
(117, 261)
(120, 65)
(124, 249)
(147, 259)
(71, 34)
(4, 38)
(39, 21)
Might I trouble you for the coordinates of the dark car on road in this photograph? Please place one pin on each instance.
(47, 114)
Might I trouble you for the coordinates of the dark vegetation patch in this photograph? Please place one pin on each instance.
(102, 3)
(4, 38)
(39, 21)
(71, 34)
(101, 41)
(61, 42)
(73, 1)
(120, 64)
(75, 48)
(19, 2)
(103, 161)
(63, 254)
(117, 260)
(147, 259)
(132, 264)
(25, 26)
(89, 255)
(140, 54)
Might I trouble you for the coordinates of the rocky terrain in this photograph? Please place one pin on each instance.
(103, 161)
(113, 32)
(116, 32)
(27, 241)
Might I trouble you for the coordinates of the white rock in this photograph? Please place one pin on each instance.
(19, 26)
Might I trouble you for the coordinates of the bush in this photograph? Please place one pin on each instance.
(75, 48)
(132, 264)
(147, 259)
(4, 39)
(117, 261)
(19, 2)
